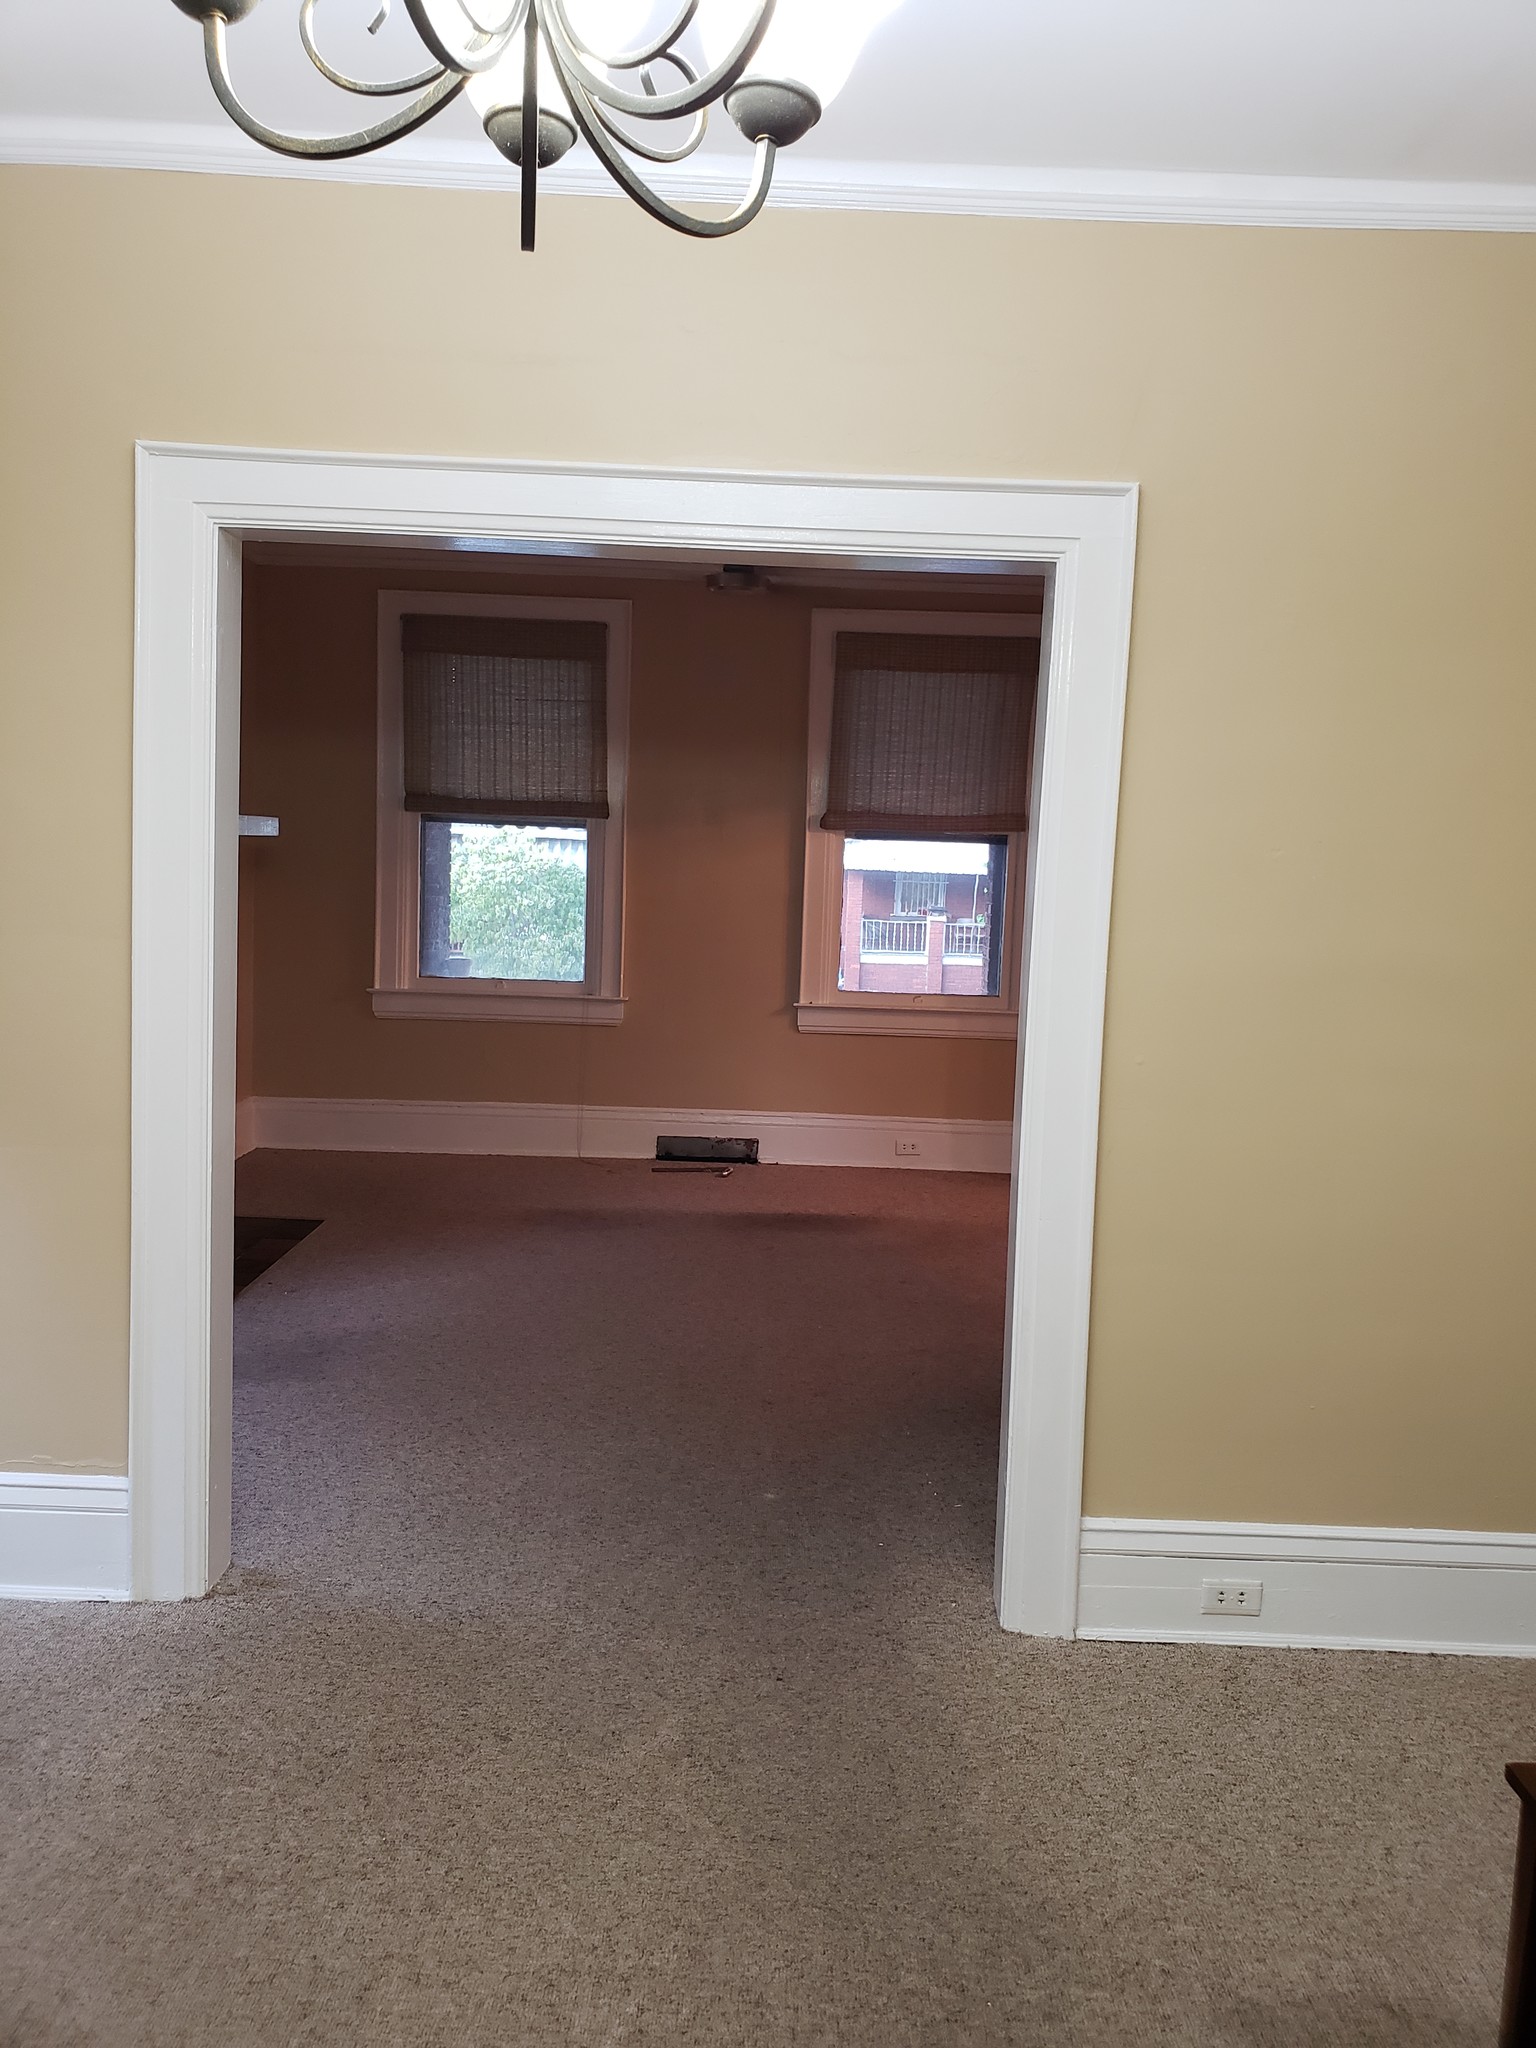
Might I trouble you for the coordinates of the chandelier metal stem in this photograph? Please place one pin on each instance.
(530, 163)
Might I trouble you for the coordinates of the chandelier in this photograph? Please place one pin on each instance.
(527, 71)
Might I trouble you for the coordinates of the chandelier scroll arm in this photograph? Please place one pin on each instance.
(359, 85)
(655, 152)
(495, 30)
(658, 45)
(492, 42)
(566, 46)
(604, 147)
(359, 143)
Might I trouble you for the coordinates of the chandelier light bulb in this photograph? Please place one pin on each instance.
(502, 86)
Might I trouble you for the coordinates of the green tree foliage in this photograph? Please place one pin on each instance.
(517, 910)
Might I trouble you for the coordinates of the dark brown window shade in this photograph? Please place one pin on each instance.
(931, 732)
(505, 718)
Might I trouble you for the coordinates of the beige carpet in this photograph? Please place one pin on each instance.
(612, 1661)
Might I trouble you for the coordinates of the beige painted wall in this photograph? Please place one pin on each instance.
(1314, 1298)
(714, 852)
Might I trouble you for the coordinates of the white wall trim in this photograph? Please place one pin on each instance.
(193, 507)
(872, 1020)
(564, 1130)
(1451, 1591)
(1027, 192)
(63, 1536)
(457, 1002)
(245, 1126)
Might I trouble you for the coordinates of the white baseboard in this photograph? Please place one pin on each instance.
(63, 1536)
(1453, 1591)
(562, 1131)
(245, 1125)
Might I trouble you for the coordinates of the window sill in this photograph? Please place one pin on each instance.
(914, 1021)
(497, 1006)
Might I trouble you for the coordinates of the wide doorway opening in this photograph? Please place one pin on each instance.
(1036, 860)
(628, 1000)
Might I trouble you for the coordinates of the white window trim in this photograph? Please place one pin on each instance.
(823, 1006)
(400, 989)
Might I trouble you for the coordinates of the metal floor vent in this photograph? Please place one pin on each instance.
(709, 1151)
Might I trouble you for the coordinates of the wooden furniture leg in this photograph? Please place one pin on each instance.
(1518, 2027)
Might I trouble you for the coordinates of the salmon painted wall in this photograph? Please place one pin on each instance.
(714, 847)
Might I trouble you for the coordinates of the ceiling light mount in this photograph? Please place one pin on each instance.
(738, 579)
(525, 69)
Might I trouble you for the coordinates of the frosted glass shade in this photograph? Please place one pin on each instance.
(814, 43)
(502, 85)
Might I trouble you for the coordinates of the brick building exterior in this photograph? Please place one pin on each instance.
(916, 917)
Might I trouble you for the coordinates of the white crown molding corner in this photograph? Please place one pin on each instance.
(564, 1130)
(1448, 1592)
(1192, 198)
(63, 1536)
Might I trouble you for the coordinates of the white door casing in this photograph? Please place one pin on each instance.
(193, 507)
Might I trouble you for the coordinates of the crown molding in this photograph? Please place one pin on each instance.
(1025, 193)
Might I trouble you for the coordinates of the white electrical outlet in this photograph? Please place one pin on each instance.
(908, 1148)
(1231, 1596)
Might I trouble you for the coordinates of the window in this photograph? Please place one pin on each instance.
(503, 902)
(945, 934)
(921, 746)
(502, 728)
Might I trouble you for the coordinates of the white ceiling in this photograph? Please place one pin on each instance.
(1432, 102)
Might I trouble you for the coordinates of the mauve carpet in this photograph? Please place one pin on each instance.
(611, 1660)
